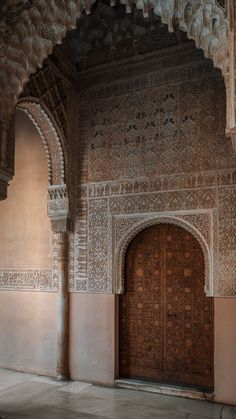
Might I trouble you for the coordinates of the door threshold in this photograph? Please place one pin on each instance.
(167, 389)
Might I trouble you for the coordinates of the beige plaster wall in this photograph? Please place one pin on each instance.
(28, 331)
(92, 337)
(225, 350)
(27, 319)
(24, 225)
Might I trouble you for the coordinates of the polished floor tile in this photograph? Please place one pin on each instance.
(28, 396)
(75, 387)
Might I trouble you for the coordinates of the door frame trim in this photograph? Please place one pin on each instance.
(197, 222)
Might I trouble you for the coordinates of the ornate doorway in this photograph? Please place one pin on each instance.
(166, 320)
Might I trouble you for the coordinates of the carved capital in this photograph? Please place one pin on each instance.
(58, 208)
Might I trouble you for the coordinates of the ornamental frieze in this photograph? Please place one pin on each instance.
(27, 280)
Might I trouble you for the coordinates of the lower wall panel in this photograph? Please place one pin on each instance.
(225, 350)
(92, 337)
(28, 324)
(28, 331)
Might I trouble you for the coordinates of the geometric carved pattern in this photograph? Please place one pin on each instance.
(227, 240)
(29, 31)
(27, 279)
(226, 177)
(166, 321)
(51, 136)
(153, 148)
(50, 90)
(23, 49)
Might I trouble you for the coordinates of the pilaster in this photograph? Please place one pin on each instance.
(58, 214)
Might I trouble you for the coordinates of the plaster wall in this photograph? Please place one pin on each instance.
(24, 225)
(92, 334)
(225, 348)
(27, 319)
(28, 331)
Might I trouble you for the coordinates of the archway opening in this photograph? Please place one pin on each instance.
(166, 320)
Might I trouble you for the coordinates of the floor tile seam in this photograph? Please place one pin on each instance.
(200, 417)
(56, 385)
(63, 389)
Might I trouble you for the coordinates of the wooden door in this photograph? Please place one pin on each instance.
(166, 320)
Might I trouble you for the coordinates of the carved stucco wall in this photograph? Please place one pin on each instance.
(44, 101)
(153, 146)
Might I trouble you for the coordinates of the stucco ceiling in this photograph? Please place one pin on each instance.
(109, 34)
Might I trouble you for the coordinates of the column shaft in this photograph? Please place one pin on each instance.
(61, 264)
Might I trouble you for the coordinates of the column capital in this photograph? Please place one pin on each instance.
(58, 208)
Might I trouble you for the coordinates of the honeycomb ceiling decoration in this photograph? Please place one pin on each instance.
(29, 29)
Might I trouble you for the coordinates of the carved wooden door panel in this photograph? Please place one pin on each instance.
(166, 321)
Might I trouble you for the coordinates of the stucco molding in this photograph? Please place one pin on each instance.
(142, 221)
(51, 137)
(20, 279)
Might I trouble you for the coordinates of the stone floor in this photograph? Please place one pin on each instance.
(24, 396)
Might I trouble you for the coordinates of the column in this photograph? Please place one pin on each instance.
(60, 263)
(58, 214)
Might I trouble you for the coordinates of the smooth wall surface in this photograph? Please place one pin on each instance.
(225, 350)
(92, 337)
(28, 331)
(27, 319)
(24, 225)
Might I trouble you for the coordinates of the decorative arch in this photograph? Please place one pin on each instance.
(204, 21)
(30, 30)
(30, 36)
(52, 138)
(119, 262)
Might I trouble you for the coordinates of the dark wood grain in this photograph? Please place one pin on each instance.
(166, 320)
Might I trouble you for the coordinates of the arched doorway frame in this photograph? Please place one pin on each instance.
(121, 255)
(58, 213)
(119, 262)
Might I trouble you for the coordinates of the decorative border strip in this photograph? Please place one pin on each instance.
(160, 183)
(27, 280)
